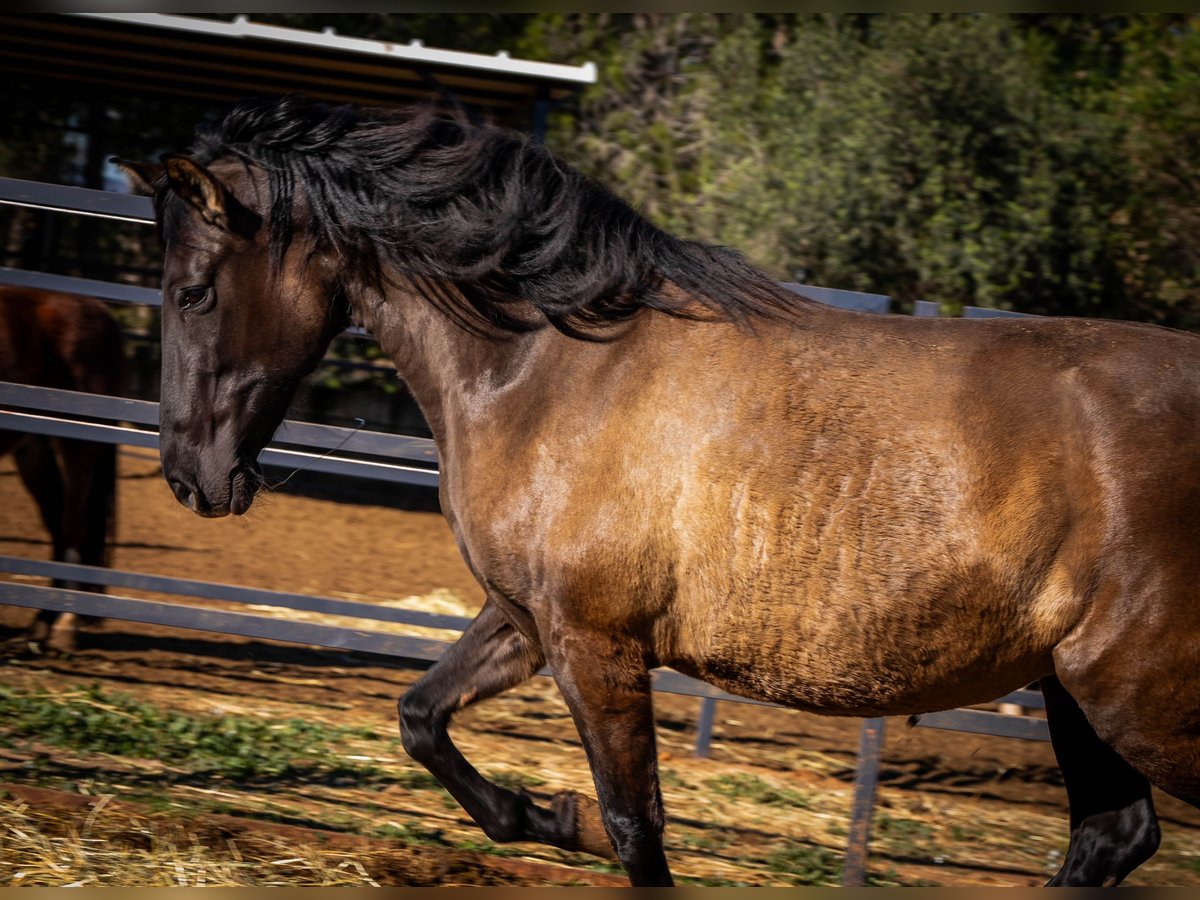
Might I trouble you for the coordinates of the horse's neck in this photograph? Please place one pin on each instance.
(455, 376)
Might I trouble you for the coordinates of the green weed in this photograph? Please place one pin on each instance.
(234, 747)
(751, 787)
(669, 778)
(961, 833)
(514, 780)
(806, 864)
(411, 833)
(902, 831)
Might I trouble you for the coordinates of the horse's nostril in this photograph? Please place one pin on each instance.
(179, 489)
(186, 494)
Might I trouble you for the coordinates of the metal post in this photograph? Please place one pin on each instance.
(870, 750)
(704, 727)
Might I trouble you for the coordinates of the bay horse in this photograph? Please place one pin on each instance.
(653, 455)
(70, 342)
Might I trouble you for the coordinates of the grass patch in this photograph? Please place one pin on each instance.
(962, 833)
(704, 842)
(411, 833)
(903, 833)
(514, 780)
(707, 881)
(753, 788)
(669, 778)
(242, 749)
(805, 864)
(487, 846)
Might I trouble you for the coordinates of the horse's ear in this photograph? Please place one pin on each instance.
(200, 188)
(143, 176)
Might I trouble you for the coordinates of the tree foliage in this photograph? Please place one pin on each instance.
(1041, 163)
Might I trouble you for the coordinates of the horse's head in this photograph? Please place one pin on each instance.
(240, 327)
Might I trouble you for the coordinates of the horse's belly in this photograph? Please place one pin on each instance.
(869, 589)
(855, 687)
(873, 656)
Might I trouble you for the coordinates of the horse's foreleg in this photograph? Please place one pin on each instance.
(38, 468)
(1113, 825)
(608, 691)
(490, 657)
(87, 475)
(89, 471)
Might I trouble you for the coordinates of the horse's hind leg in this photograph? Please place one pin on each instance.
(1113, 825)
(606, 683)
(490, 657)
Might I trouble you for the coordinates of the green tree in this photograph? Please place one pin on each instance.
(944, 157)
(1158, 100)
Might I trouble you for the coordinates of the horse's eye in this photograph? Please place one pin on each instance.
(193, 297)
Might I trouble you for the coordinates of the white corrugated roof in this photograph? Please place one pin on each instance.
(413, 52)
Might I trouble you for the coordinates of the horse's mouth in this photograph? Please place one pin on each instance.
(244, 484)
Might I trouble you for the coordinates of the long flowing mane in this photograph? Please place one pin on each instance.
(478, 214)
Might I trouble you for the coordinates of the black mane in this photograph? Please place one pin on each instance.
(477, 213)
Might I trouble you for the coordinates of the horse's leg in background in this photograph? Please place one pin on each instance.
(606, 683)
(38, 467)
(98, 525)
(89, 473)
(490, 657)
(1113, 825)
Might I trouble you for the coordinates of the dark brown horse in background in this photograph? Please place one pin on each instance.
(653, 455)
(70, 342)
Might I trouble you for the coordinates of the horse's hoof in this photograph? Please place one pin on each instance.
(581, 814)
(59, 646)
(29, 645)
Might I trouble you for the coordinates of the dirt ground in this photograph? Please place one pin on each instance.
(770, 807)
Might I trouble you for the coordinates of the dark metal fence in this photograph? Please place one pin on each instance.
(345, 452)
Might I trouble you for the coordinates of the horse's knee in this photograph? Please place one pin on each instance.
(421, 724)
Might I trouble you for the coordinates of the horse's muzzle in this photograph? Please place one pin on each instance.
(235, 497)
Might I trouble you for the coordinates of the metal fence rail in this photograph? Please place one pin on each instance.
(317, 448)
